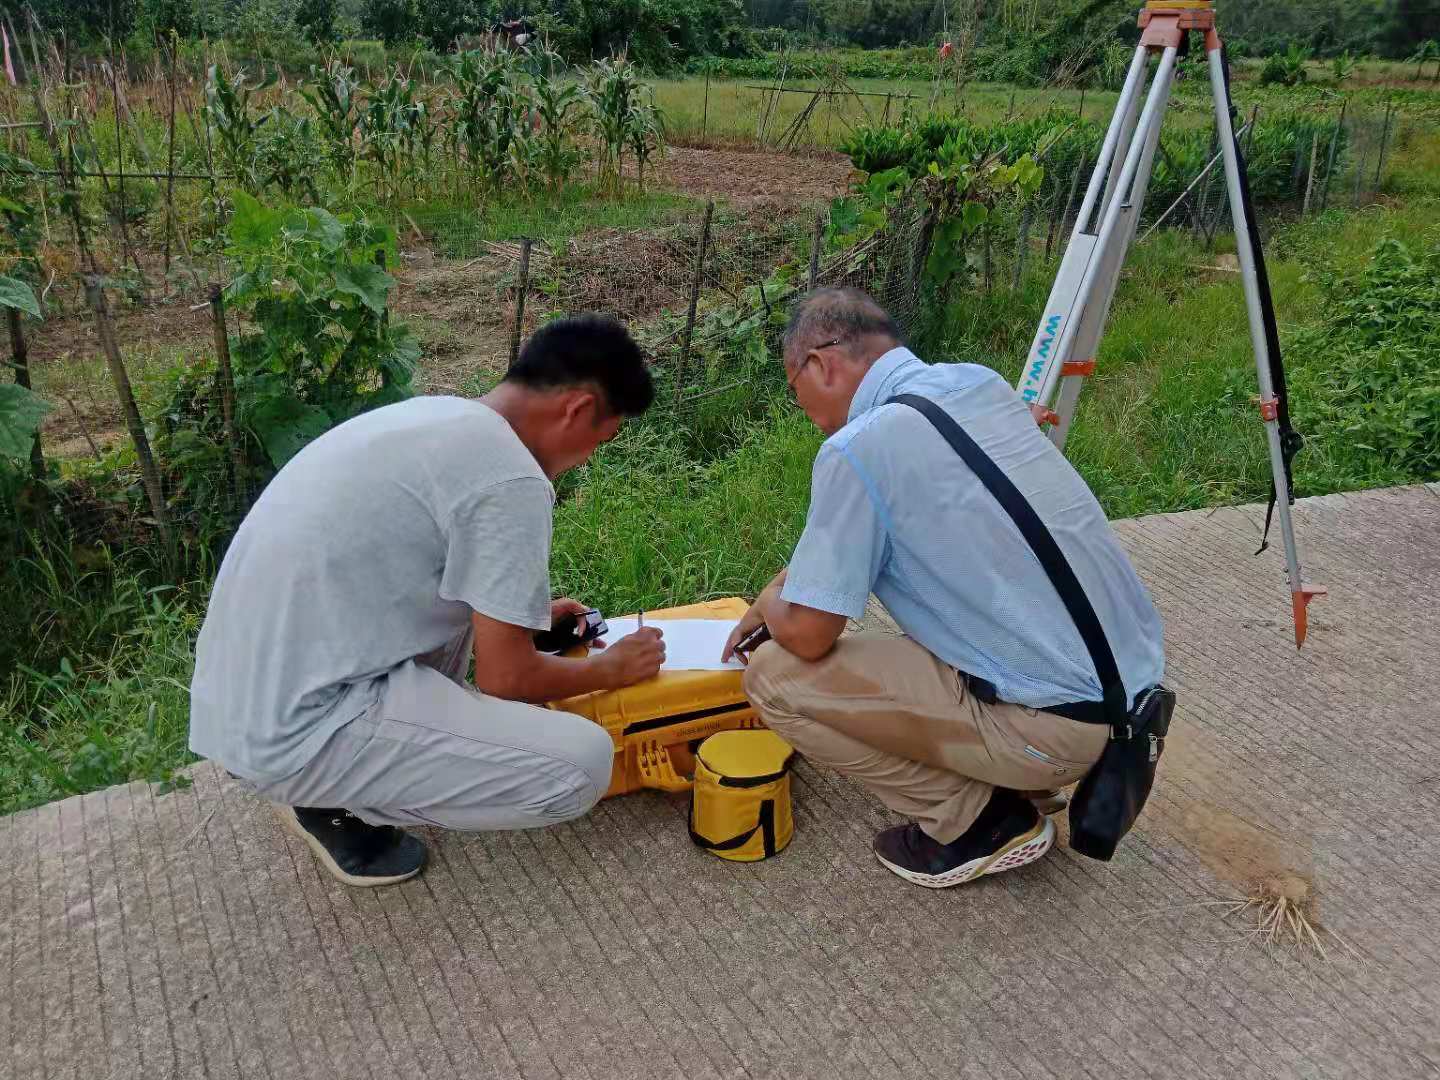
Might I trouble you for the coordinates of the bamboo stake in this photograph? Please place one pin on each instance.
(119, 148)
(520, 290)
(1027, 216)
(20, 358)
(694, 299)
(84, 430)
(705, 112)
(170, 151)
(1334, 149)
(815, 242)
(225, 375)
(105, 326)
(1074, 188)
(1384, 140)
(1310, 179)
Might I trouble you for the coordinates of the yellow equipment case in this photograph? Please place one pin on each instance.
(656, 725)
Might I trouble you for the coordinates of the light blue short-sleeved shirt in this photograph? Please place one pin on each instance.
(895, 511)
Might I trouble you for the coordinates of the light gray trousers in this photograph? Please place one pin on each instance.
(436, 751)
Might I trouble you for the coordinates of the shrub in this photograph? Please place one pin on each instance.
(1366, 372)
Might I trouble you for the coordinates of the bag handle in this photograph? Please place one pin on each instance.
(1052, 559)
(765, 823)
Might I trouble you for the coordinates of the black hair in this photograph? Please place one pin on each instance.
(587, 349)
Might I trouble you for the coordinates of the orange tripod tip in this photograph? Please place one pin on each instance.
(1300, 599)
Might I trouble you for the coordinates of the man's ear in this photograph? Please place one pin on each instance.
(583, 406)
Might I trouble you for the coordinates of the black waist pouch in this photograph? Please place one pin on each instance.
(1114, 791)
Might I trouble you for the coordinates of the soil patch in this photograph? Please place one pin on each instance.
(755, 178)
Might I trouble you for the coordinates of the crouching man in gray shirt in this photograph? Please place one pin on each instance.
(331, 669)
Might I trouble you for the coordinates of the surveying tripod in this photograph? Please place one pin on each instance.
(1063, 353)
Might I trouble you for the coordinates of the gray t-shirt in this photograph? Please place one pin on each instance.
(370, 547)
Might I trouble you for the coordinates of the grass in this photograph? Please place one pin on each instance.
(98, 693)
(734, 109)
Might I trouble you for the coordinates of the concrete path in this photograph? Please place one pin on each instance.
(182, 935)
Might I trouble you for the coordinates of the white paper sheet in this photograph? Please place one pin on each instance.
(690, 644)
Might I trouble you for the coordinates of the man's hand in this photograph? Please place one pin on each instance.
(633, 659)
(559, 609)
(752, 618)
(748, 622)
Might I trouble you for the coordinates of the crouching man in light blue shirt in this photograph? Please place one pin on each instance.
(982, 705)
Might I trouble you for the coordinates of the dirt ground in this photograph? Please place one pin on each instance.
(755, 177)
(463, 310)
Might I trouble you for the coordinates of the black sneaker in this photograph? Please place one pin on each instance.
(1009, 832)
(353, 851)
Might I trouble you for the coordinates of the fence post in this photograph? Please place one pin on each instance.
(987, 257)
(1074, 188)
(1334, 148)
(1310, 179)
(1022, 249)
(170, 168)
(1055, 209)
(1384, 141)
(520, 290)
(1362, 166)
(694, 300)
(705, 112)
(815, 251)
(95, 294)
(20, 354)
(225, 376)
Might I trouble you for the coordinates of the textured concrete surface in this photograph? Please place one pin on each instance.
(183, 935)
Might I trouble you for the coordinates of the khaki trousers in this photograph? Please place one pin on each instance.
(884, 711)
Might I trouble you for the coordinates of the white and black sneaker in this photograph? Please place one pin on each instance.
(1009, 833)
(353, 851)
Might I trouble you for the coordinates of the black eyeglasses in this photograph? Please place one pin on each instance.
(790, 382)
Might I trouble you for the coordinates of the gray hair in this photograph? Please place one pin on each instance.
(844, 314)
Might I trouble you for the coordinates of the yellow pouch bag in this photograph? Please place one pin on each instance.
(740, 804)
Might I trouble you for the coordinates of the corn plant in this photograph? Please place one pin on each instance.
(333, 92)
(645, 132)
(390, 128)
(555, 106)
(490, 121)
(237, 130)
(613, 89)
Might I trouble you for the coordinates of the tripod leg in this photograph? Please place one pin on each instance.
(1246, 245)
(1037, 383)
(1081, 337)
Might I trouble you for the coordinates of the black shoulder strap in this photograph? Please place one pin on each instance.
(1056, 566)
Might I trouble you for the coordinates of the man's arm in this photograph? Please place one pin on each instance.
(835, 564)
(508, 666)
(804, 631)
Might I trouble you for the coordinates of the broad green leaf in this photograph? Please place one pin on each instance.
(323, 226)
(285, 425)
(975, 215)
(21, 411)
(368, 282)
(253, 225)
(15, 293)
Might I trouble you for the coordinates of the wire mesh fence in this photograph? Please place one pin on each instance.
(703, 291)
